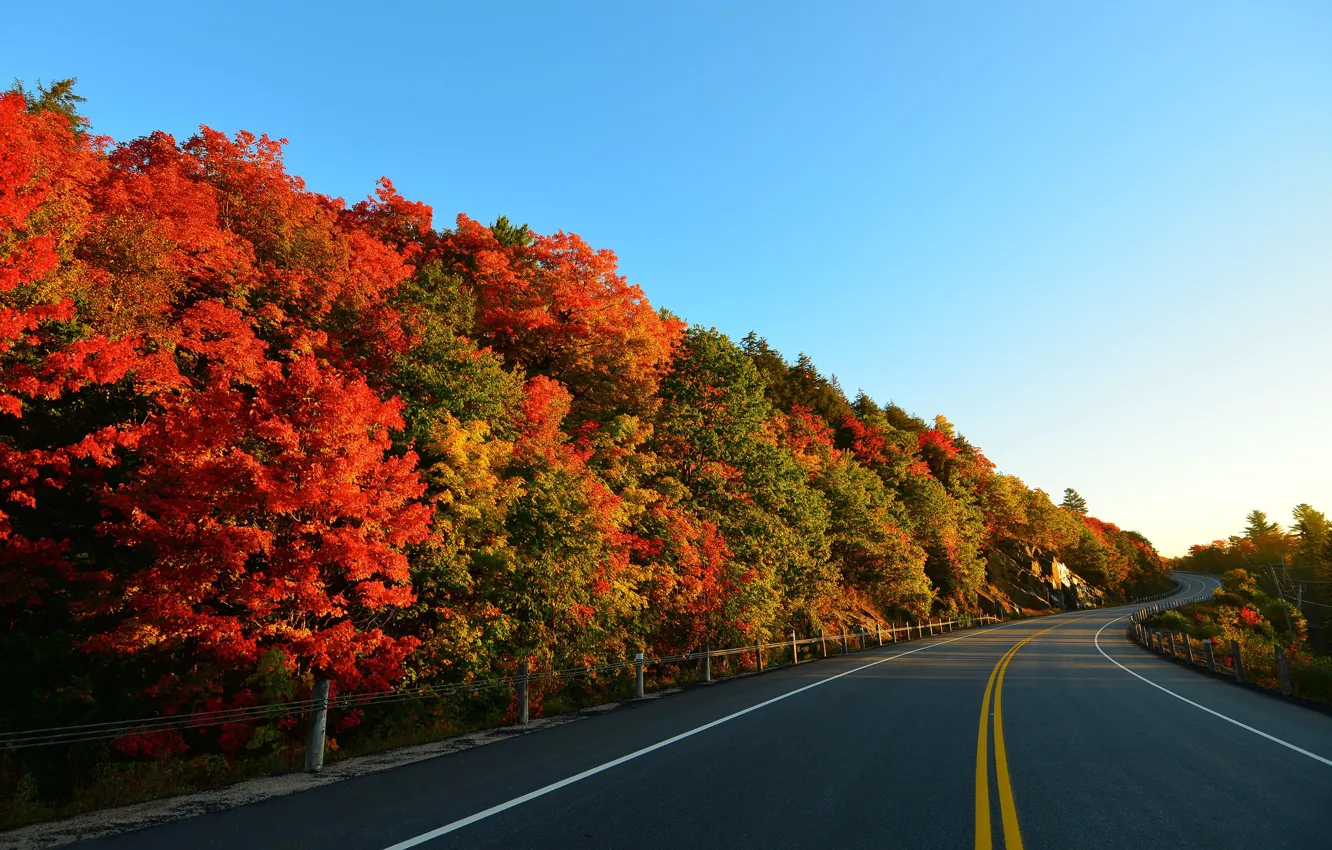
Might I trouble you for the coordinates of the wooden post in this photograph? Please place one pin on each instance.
(1283, 671)
(1173, 654)
(314, 739)
(638, 676)
(1211, 657)
(1280, 596)
(522, 694)
(1188, 650)
(707, 664)
(878, 632)
(758, 656)
(823, 639)
(844, 647)
(795, 649)
(1237, 660)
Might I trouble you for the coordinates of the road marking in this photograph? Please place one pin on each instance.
(984, 833)
(1260, 733)
(1007, 806)
(555, 786)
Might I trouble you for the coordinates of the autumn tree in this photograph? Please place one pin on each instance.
(554, 306)
(265, 513)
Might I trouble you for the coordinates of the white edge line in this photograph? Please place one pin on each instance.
(1260, 733)
(555, 786)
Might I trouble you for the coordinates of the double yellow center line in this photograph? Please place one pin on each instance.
(1007, 809)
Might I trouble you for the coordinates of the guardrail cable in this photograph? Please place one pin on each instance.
(114, 729)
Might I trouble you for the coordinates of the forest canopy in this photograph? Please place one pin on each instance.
(251, 436)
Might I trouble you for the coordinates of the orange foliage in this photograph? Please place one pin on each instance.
(559, 308)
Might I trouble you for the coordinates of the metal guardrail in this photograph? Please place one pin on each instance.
(320, 702)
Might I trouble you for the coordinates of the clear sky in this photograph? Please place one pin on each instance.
(1096, 236)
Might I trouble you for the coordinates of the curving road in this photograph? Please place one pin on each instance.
(1048, 733)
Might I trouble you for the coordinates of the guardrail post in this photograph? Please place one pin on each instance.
(314, 739)
(795, 649)
(823, 639)
(1238, 660)
(1283, 671)
(1173, 654)
(638, 675)
(844, 648)
(878, 632)
(707, 664)
(1211, 657)
(758, 656)
(1188, 650)
(522, 694)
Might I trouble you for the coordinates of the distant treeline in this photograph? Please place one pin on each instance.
(1307, 543)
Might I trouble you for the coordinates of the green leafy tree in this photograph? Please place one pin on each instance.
(1270, 541)
(1073, 501)
(714, 427)
(59, 97)
(800, 384)
(1313, 532)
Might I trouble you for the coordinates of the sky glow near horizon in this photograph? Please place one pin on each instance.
(1099, 240)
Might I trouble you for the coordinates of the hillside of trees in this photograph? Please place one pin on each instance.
(252, 435)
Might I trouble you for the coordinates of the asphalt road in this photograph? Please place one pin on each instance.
(875, 749)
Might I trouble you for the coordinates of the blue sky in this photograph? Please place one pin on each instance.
(1097, 237)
